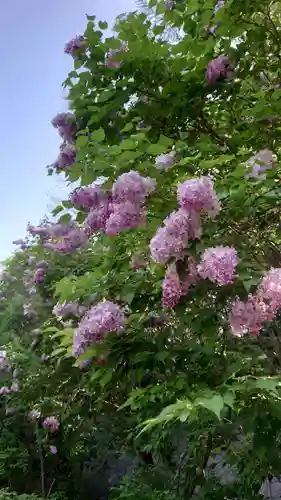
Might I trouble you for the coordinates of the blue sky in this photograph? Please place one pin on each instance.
(33, 65)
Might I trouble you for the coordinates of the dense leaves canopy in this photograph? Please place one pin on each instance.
(145, 323)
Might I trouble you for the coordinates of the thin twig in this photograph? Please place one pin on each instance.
(51, 487)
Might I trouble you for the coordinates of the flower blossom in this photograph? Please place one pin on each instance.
(218, 68)
(165, 161)
(132, 187)
(66, 125)
(270, 289)
(39, 275)
(97, 218)
(28, 310)
(260, 163)
(15, 387)
(61, 310)
(4, 363)
(169, 5)
(53, 450)
(75, 45)
(172, 287)
(249, 316)
(198, 194)
(105, 317)
(218, 6)
(34, 415)
(172, 239)
(4, 390)
(51, 424)
(88, 197)
(76, 238)
(66, 158)
(126, 215)
(191, 276)
(219, 265)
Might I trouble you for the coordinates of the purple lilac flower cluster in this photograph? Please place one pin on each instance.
(76, 46)
(117, 210)
(51, 424)
(196, 196)
(249, 316)
(65, 123)
(105, 317)
(39, 275)
(218, 68)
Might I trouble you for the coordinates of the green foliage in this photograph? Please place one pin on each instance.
(181, 375)
(5, 494)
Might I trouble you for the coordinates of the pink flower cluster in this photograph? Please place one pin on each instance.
(260, 163)
(198, 194)
(4, 390)
(102, 318)
(39, 275)
(128, 195)
(118, 210)
(51, 424)
(172, 239)
(66, 158)
(218, 68)
(75, 46)
(249, 316)
(218, 265)
(195, 196)
(174, 287)
(65, 123)
(88, 197)
(68, 243)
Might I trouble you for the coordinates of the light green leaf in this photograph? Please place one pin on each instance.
(127, 127)
(98, 135)
(165, 141)
(156, 149)
(81, 141)
(103, 25)
(128, 144)
(215, 404)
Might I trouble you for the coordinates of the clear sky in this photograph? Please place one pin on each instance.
(33, 65)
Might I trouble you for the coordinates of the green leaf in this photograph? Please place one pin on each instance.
(215, 404)
(64, 219)
(81, 141)
(127, 127)
(156, 149)
(98, 135)
(106, 378)
(128, 144)
(57, 210)
(103, 25)
(58, 351)
(165, 141)
(105, 95)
